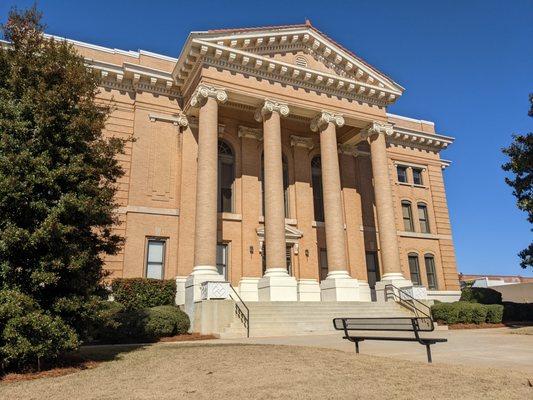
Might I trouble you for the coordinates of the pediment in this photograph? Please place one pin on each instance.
(299, 55)
(291, 233)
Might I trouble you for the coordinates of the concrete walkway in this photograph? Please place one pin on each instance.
(492, 348)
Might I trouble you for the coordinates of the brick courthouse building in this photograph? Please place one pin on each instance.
(266, 157)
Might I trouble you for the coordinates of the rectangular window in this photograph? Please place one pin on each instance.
(417, 176)
(430, 271)
(318, 198)
(288, 258)
(222, 260)
(155, 259)
(225, 194)
(402, 173)
(423, 218)
(372, 268)
(414, 269)
(407, 217)
(323, 262)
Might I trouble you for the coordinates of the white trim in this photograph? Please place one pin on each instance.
(420, 121)
(172, 212)
(420, 235)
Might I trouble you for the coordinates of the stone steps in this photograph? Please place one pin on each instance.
(295, 318)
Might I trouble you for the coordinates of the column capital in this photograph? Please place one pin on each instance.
(270, 106)
(302, 141)
(351, 150)
(321, 120)
(203, 91)
(377, 128)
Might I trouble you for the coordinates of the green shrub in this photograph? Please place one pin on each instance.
(140, 293)
(481, 295)
(494, 313)
(445, 312)
(479, 313)
(31, 338)
(127, 326)
(14, 304)
(516, 312)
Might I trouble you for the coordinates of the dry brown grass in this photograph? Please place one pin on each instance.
(527, 330)
(204, 371)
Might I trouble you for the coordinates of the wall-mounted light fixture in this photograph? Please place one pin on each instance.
(251, 249)
(307, 252)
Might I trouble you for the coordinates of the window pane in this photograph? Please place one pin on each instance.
(226, 177)
(323, 264)
(318, 198)
(222, 260)
(414, 269)
(417, 176)
(430, 271)
(154, 271)
(407, 217)
(402, 173)
(155, 251)
(288, 259)
(372, 269)
(423, 218)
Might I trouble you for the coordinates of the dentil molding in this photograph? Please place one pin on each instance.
(202, 92)
(270, 106)
(321, 121)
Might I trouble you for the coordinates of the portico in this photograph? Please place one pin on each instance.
(267, 158)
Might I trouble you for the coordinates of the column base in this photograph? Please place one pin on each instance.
(277, 285)
(339, 286)
(394, 278)
(308, 290)
(180, 290)
(248, 289)
(192, 286)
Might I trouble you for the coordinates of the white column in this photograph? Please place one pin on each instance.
(276, 284)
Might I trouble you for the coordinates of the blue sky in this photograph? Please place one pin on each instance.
(467, 65)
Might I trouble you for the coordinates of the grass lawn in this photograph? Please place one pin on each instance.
(210, 371)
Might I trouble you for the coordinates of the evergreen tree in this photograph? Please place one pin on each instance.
(520, 163)
(58, 173)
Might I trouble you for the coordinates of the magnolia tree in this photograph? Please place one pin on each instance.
(58, 178)
(520, 164)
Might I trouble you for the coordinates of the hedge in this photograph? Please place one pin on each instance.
(141, 293)
(149, 324)
(467, 312)
(481, 295)
(516, 312)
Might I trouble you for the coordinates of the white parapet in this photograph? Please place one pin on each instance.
(396, 279)
(444, 296)
(277, 285)
(308, 290)
(339, 286)
(248, 289)
(193, 285)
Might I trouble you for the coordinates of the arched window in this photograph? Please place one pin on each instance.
(407, 216)
(285, 166)
(226, 177)
(431, 273)
(414, 269)
(423, 217)
(318, 195)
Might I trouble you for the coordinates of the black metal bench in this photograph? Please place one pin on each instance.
(396, 324)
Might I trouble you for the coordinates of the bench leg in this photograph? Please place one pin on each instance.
(428, 350)
(357, 346)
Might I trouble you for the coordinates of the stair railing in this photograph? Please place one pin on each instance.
(404, 298)
(241, 310)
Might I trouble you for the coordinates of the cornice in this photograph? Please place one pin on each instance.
(302, 141)
(178, 120)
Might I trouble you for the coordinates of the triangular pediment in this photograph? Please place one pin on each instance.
(291, 233)
(299, 55)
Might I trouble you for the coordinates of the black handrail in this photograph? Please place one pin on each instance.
(242, 314)
(401, 298)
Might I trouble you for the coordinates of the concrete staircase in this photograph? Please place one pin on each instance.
(297, 318)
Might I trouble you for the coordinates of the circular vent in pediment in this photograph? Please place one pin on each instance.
(300, 61)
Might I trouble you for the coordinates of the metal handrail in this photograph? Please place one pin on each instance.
(243, 314)
(389, 288)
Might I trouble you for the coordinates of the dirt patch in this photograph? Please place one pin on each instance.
(476, 326)
(187, 337)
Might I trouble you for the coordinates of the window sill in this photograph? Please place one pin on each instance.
(230, 216)
(321, 224)
(419, 235)
(413, 185)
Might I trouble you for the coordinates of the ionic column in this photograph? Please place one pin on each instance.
(338, 286)
(206, 98)
(388, 240)
(276, 284)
